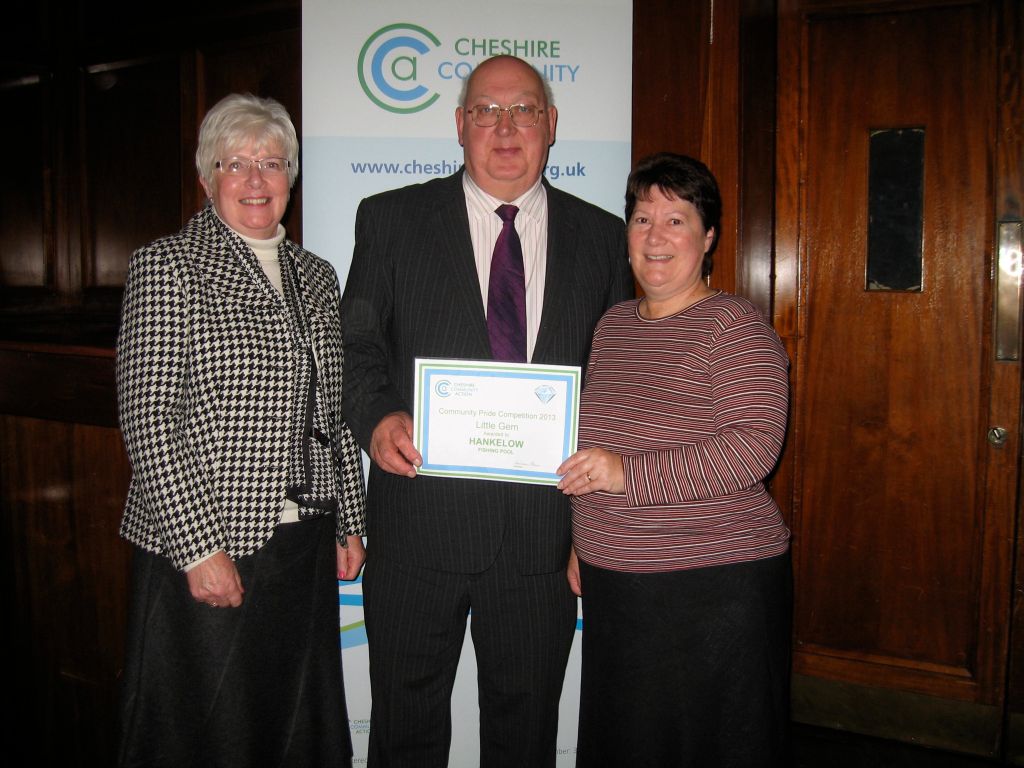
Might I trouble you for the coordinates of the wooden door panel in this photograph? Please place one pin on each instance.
(901, 510)
(891, 419)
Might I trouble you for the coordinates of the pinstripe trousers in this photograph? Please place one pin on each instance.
(522, 628)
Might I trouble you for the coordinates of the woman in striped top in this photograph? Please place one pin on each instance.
(683, 556)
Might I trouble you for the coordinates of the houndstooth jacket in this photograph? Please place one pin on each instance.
(205, 393)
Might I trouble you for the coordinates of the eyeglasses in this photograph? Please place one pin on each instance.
(240, 166)
(521, 115)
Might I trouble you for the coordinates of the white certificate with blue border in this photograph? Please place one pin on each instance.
(514, 422)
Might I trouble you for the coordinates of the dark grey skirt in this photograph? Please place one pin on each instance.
(686, 669)
(258, 685)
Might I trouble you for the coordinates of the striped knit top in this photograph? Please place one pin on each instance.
(696, 403)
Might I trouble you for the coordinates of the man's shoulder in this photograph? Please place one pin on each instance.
(559, 199)
(424, 193)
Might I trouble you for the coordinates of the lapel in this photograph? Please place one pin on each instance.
(319, 319)
(558, 276)
(229, 266)
(456, 262)
(311, 299)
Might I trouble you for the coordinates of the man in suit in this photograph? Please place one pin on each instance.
(419, 286)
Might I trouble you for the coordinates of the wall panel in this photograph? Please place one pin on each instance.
(131, 163)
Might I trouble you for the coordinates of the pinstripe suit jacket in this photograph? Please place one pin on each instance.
(413, 291)
(205, 392)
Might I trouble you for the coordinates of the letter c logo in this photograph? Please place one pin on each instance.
(389, 67)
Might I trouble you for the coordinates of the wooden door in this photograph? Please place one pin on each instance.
(902, 509)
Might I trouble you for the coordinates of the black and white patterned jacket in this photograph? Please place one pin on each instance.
(205, 388)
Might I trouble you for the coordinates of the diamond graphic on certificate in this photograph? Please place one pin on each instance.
(544, 393)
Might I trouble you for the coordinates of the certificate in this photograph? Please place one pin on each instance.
(513, 422)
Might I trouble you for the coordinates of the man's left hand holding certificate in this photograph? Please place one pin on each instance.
(513, 422)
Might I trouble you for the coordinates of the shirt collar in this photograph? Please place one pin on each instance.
(480, 204)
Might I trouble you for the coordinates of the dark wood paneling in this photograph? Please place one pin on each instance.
(131, 171)
(704, 86)
(755, 248)
(24, 257)
(889, 589)
(902, 511)
(58, 383)
(267, 65)
(670, 67)
(889, 713)
(103, 106)
(61, 491)
(111, 104)
(1010, 206)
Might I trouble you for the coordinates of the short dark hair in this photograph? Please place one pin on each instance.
(683, 178)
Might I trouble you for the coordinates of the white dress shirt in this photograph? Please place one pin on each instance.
(532, 227)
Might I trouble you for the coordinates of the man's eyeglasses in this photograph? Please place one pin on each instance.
(240, 166)
(521, 115)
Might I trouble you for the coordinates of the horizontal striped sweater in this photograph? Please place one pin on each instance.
(696, 404)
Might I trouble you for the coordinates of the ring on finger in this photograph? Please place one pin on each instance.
(588, 477)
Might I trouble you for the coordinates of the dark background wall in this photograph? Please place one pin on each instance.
(101, 108)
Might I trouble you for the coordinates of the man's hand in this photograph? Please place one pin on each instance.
(350, 558)
(215, 581)
(391, 445)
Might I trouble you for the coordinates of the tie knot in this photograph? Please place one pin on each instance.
(507, 213)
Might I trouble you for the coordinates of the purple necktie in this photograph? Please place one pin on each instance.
(506, 293)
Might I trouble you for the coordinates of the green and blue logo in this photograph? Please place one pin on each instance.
(389, 68)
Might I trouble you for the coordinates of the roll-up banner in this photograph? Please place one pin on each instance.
(380, 84)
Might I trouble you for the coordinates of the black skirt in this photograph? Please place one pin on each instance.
(688, 668)
(259, 685)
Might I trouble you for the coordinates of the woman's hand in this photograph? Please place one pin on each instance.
(350, 558)
(572, 573)
(589, 470)
(215, 581)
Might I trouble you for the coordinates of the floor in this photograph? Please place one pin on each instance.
(824, 748)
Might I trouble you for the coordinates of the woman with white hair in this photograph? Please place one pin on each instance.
(246, 501)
